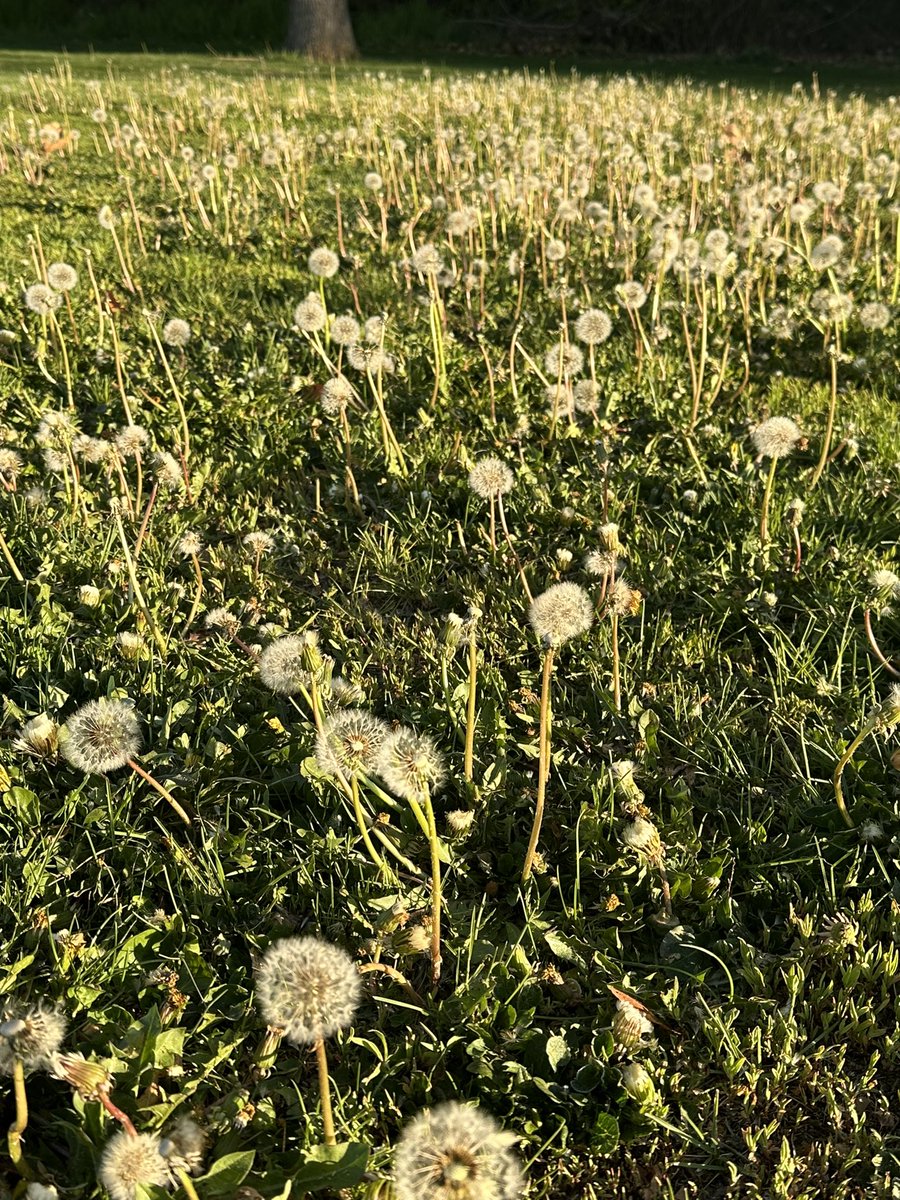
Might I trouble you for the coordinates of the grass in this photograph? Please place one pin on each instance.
(774, 1052)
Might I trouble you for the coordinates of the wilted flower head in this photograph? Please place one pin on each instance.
(30, 1034)
(176, 332)
(490, 477)
(561, 613)
(593, 326)
(454, 1152)
(61, 276)
(308, 988)
(90, 1079)
(776, 437)
(130, 1163)
(39, 736)
(637, 1082)
(183, 1145)
(283, 664)
(643, 836)
(349, 742)
(410, 763)
(629, 1025)
(101, 736)
(323, 262)
(89, 595)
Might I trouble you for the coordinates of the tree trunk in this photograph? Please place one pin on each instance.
(321, 29)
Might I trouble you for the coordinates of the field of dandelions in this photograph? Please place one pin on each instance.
(449, 531)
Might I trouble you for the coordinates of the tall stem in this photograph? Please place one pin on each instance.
(839, 770)
(325, 1094)
(435, 891)
(470, 706)
(543, 764)
(767, 496)
(8, 555)
(363, 826)
(832, 407)
(617, 689)
(18, 1127)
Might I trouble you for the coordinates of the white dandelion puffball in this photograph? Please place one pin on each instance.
(561, 613)
(308, 988)
(101, 736)
(454, 1152)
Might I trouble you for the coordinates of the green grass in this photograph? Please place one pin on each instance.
(775, 983)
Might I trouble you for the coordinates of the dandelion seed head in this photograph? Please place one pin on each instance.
(41, 299)
(30, 1034)
(258, 542)
(561, 613)
(131, 1163)
(10, 463)
(454, 1152)
(491, 477)
(308, 988)
(826, 253)
(623, 599)
(190, 544)
(410, 763)
(310, 315)
(168, 471)
(101, 736)
(282, 665)
(874, 315)
(222, 619)
(631, 295)
(323, 263)
(427, 260)
(345, 331)
(349, 742)
(176, 332)
(62, 277)
(372, 181)
(131, 440)
(776, 437)
(593, 326)
(565, 359)
(183, 1146)
(336, 395)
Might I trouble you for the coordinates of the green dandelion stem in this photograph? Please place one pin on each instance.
(767, 497)
(136, 587)
(839, 770)
(18, 1127)
(185, 436)
(325, 1094)
(832, 408)
(8, 555)
(363, 826)
(434, 846)
(188, 1184)
(543, 765)
(616, 681)
(470, 706)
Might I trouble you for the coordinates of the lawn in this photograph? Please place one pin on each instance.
(392, 457)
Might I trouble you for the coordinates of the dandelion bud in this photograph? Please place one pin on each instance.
(643, 836)
(794, 511)
(39, 736)
(307, 988)
(459, 822)
(130, 1163)
(89, 1079)
(30, 1035)
(89, 595)
(609, 538)
(131, 646)
(454, 1151)
(637, 1083)
(564, 557)
(629, 1026)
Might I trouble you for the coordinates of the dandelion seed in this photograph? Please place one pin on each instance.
(307, 988)
(222, 619)
(561, 613)
(10, 464)
(101, 736)
(258, 542)
(130, 1163)
(453, 1152)
(410, 763)
(32, 1035)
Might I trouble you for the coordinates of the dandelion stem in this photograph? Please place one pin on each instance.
(8, 555)
(839, 770)
(617, 688)
(470, 705)
(325, 1094)
(136, 587)
(543, 764)
(187, 1184)
(435, 891)
(116, 1113)
(876, 649)
(18, 1127)
(185, 436)
(157, 786)
(834, 352)
(363, 827)
(767, 497)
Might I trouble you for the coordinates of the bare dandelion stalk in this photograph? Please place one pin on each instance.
(136, 587)
(176, 392)
(434, 846)
(325, 1093)
(158, 787)
(543, 764)
(472, 696)
(834, 351)
(8, 555)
